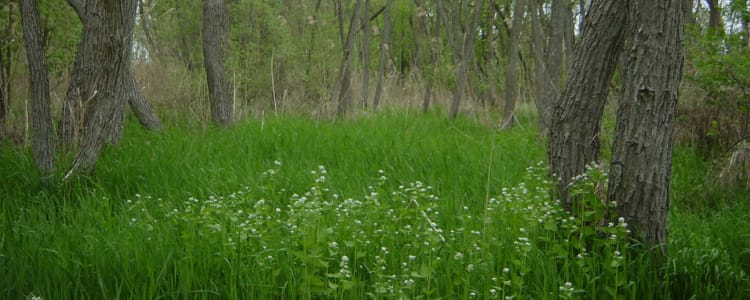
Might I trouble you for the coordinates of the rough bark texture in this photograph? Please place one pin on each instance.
(215, 31)
(642, 151)
(81, 85)
(343, 92)
(103, 120)
(384, 49)
(576, 120)
(511, 74)
(42, 129)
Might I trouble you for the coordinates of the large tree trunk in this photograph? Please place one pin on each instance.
(81, 90)
(511, 74)
(105, 109)
(576, 119)
(642, 151)
(215, 29)
(384, 49)
(343, 92)
(41, 114)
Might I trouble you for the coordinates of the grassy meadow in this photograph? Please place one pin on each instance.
(396, 205)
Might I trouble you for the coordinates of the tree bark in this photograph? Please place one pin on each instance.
(42, 129)
(511, 74)
(215, 29)
(105, 110)
(384, 49)
(343, 92)
(642, 152)
(80, 86)
(576, 119)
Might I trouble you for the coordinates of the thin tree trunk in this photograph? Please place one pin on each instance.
(576, 119)
(215, 30)
(3, 102)
(553, 71)
(366, 54)
(145, 19)
(344, 82)
(511, 75)
(715, 26)
(105, 113)
(642, 152)
(8, 66)
(41, 114)
(384, 49)
(543, 106)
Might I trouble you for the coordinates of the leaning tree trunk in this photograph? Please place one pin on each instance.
(215, 29)
(642, 152)
(576, 119)
(41, 114)
(511, 75)
(105, 111)
(147, 117)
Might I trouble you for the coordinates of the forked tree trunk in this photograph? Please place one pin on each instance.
(384, 49)
(511, 74)
(42, 129)
(576, 119)
(111, 60)
(642, 151)
(215, 29)
(80, 89)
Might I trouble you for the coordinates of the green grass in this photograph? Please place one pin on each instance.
(396, 205)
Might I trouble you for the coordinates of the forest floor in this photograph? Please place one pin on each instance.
(394, 205)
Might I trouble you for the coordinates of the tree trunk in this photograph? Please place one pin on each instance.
(365, 54)
(343, 93)
(543, 107)
(576, 119)
(642, 151)
(3, 101)
(146, 115)
(81, 90)
(41, 114)
(553, 72)
(105, 111)
(384, 49)
(511, 75)
(215, 29)
(715, 26)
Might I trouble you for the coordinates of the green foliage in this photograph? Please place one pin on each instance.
(208, 213)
